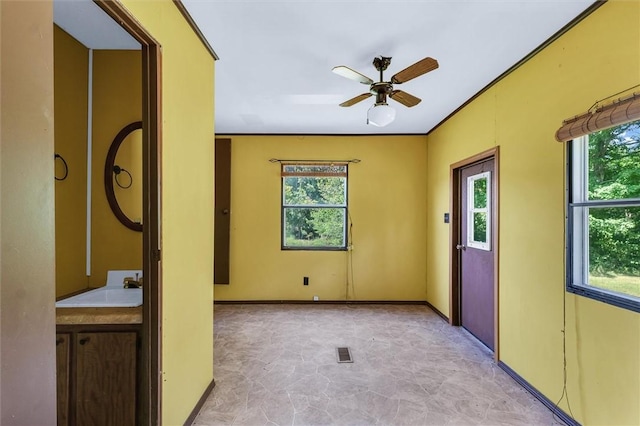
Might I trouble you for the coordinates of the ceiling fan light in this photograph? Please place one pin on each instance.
(380, 114)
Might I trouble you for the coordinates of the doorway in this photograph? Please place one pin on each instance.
(148, 405)
(474, 247)
(152, 207)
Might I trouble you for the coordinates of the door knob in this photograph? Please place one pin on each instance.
(461, 247)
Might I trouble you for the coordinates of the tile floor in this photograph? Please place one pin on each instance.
(276, 365)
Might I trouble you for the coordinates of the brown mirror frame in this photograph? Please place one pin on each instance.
(108, 176)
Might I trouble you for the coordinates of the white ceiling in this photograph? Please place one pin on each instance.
(274, 73)
(88, 24)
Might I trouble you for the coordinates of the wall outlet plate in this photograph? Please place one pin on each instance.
(316, 298)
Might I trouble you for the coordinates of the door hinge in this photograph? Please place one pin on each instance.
(156, 255)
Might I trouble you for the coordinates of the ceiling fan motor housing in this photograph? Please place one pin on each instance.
(381, 90)
(381, 63)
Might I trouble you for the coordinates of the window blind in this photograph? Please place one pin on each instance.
(614, 114)
(314, 169)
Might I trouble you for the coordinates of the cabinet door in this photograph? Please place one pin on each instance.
(106, 378)
(62, 377)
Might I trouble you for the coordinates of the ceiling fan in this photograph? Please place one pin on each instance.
(381, 114)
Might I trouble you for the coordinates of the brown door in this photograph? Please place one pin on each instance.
(222, 211)
(476, 247)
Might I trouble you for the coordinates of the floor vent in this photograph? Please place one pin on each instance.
(344, 355)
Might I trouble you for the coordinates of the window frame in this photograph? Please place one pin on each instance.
(576, 218)
(472, 210)
(283, 206)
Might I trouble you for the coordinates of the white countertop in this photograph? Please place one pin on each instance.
(111, 295)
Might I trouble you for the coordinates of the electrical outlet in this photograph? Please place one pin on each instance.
(316, 298)
(305, 281)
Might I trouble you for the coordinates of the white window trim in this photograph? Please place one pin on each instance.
(344, 206)
(471, 209)
(580, 231)
(577, 280)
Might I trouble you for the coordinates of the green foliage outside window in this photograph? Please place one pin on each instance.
(614, 232)
(314, 211)
(480, 193)
(480, 227)
(480, 202)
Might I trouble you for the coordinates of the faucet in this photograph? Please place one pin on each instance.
(129, 282)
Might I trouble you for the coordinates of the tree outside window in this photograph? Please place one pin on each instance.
(314, 206)
(605, 215)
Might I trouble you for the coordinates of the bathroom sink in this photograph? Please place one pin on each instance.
(112, 295)
(104, 297)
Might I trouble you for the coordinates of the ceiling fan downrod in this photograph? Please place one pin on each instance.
(381, 63)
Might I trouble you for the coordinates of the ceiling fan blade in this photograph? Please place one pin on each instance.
(355, 100)
(352, 74)
(404, 98)
(415, 70)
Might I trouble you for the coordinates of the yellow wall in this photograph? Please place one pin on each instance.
(117, 101)
(477, 135)
(597, 58)
(387, 206)
(70, 97)
(187, 207)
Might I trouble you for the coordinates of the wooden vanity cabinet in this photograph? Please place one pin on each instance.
(62, 376)
(97, 375)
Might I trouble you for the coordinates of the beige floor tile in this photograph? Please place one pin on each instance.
(276, 365)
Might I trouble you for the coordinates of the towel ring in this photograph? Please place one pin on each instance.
(66, 167)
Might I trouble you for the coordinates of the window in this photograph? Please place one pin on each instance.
(479, 211)
(314, 206)
(604, 216)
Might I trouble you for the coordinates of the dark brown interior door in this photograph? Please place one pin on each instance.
(222, 211)
(477, 251)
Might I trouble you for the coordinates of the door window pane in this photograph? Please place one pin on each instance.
(479, 211)
(480, 193)
(480, 227)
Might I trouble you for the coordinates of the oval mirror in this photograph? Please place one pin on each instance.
(123, 176)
